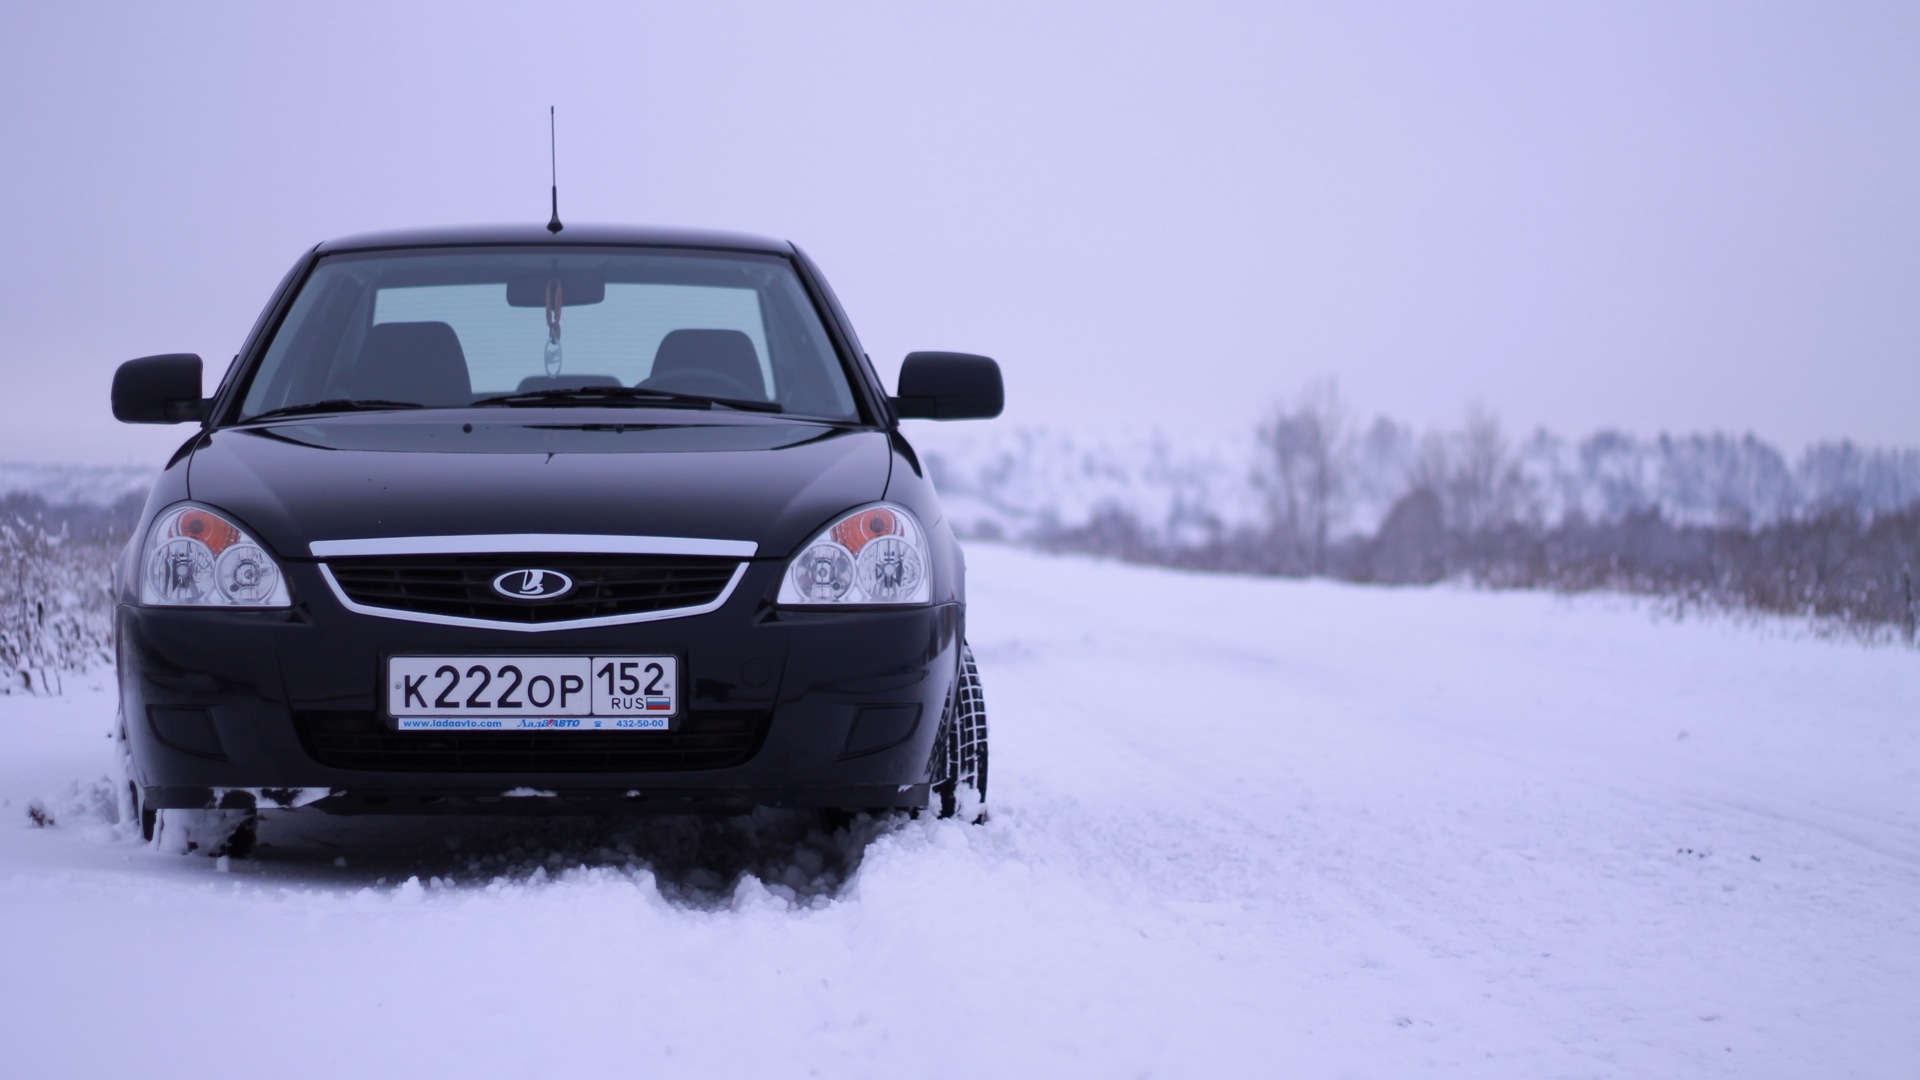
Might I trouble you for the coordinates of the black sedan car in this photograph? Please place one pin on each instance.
(501, 520)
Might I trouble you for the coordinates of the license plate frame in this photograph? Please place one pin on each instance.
(614, 693)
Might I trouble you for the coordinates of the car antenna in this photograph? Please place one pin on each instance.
(553, 166)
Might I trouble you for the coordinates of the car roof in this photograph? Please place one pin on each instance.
(491, 235)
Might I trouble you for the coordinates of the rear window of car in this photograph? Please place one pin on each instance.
(446, 328)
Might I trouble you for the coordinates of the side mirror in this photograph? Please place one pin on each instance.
(949, 386)
(159, 390)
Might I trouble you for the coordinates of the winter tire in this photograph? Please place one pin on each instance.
(133, 808)
(960, 750)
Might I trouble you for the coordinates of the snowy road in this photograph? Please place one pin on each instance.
(1241, 828)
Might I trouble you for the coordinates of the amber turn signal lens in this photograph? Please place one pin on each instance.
(854, 532)
(207, 528)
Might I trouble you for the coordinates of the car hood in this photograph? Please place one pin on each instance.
(770, 481)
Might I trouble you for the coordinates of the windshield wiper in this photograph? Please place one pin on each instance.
(333, 405)
(599, 395)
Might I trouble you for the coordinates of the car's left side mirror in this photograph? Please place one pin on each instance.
(949, 386)
(159, 390)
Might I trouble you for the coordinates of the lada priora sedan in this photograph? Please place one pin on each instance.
(498, 520)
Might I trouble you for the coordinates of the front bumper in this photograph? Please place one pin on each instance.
(806, 708)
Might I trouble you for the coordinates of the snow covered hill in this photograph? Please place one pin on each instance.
(1182, 489)
(76, 485)
(1242, 827)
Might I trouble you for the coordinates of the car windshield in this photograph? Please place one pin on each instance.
(551, 326)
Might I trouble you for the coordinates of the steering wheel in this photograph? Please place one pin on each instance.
(705, 382)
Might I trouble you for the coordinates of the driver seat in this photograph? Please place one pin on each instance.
(421, 362)
(723, 352)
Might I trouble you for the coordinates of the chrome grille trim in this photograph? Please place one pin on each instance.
(350, 604)
(533, 544)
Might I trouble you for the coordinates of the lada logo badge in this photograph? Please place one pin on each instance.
(532, 584)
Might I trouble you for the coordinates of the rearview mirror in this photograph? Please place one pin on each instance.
(159, 390)
(949, 386)
(576, 288)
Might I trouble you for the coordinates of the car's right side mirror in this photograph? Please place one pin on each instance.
(949, 386)
(159, 390)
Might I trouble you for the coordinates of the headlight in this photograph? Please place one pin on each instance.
(873, 556)
(196, 558)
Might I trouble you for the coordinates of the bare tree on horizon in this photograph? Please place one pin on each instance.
(1301, 471)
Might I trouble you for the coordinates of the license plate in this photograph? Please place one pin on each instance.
(533, 693)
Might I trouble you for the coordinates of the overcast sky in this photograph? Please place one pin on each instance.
(1681, 216)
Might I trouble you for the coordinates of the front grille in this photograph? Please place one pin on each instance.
(361, 740)
(462, 585)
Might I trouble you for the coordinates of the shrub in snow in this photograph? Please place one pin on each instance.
(56, 605)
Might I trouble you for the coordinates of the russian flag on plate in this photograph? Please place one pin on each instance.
(659, 704)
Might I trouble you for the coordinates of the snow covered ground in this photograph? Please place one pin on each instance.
(1241, 828)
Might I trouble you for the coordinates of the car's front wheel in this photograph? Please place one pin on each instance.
(960, 751)
(133, 808)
